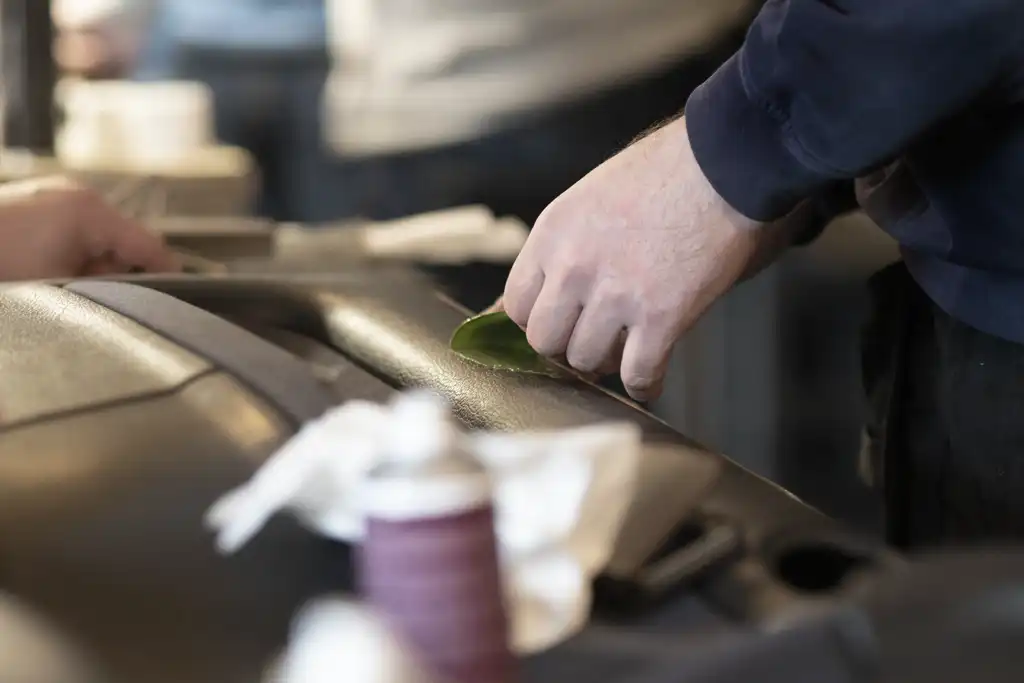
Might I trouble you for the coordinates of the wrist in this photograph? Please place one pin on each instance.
(710, 223)
(743, 147)
(702, 191)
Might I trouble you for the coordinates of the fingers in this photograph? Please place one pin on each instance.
(102, 266)
(552, 321)
(521, 290)
(90, 235)
(138, 248)
(645, 359)
(596, 342)
(113, 237)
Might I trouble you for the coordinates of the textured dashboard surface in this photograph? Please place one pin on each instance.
(49, 335)
(398, 327)
(101, 527)
(101, 531)
(279, 377)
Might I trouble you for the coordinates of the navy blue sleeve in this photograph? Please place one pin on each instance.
(825, 90)
(825, 205)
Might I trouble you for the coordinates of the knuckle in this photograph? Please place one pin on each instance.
(549, 217)
(615, 296)
(574, 275)
(658, 315)
(557, 223)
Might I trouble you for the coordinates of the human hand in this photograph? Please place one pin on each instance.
(624, 262)
(53, 227)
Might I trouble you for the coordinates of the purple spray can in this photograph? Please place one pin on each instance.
(429, 559)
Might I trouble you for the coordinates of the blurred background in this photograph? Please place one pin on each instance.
(323, 112)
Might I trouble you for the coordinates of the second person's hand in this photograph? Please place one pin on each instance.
(54, 227)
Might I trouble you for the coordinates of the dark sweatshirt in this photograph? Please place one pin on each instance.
(921, 100)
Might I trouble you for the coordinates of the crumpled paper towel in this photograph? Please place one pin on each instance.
(447, 237)
(560, 500)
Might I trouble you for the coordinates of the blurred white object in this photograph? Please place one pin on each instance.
(118, 26)
(560, 499)
(448, 237)
(336, 640)
(79, 13)
(139, 125)
(420, 75)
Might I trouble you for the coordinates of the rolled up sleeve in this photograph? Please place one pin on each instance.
(825, 90)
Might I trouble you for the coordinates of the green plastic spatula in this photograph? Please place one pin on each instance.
(494, 340)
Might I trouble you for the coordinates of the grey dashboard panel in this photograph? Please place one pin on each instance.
(220, 237)
(399, 328)
(101, 527)
(101, 530)
(50, 335)
(278, 376)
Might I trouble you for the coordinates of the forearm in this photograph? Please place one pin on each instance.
(825, 90)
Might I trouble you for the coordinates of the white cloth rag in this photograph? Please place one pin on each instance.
(560, 500)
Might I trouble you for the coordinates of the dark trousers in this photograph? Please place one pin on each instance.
(947, 427)
(269, 105)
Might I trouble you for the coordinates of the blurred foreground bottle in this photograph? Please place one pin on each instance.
(429, 561)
